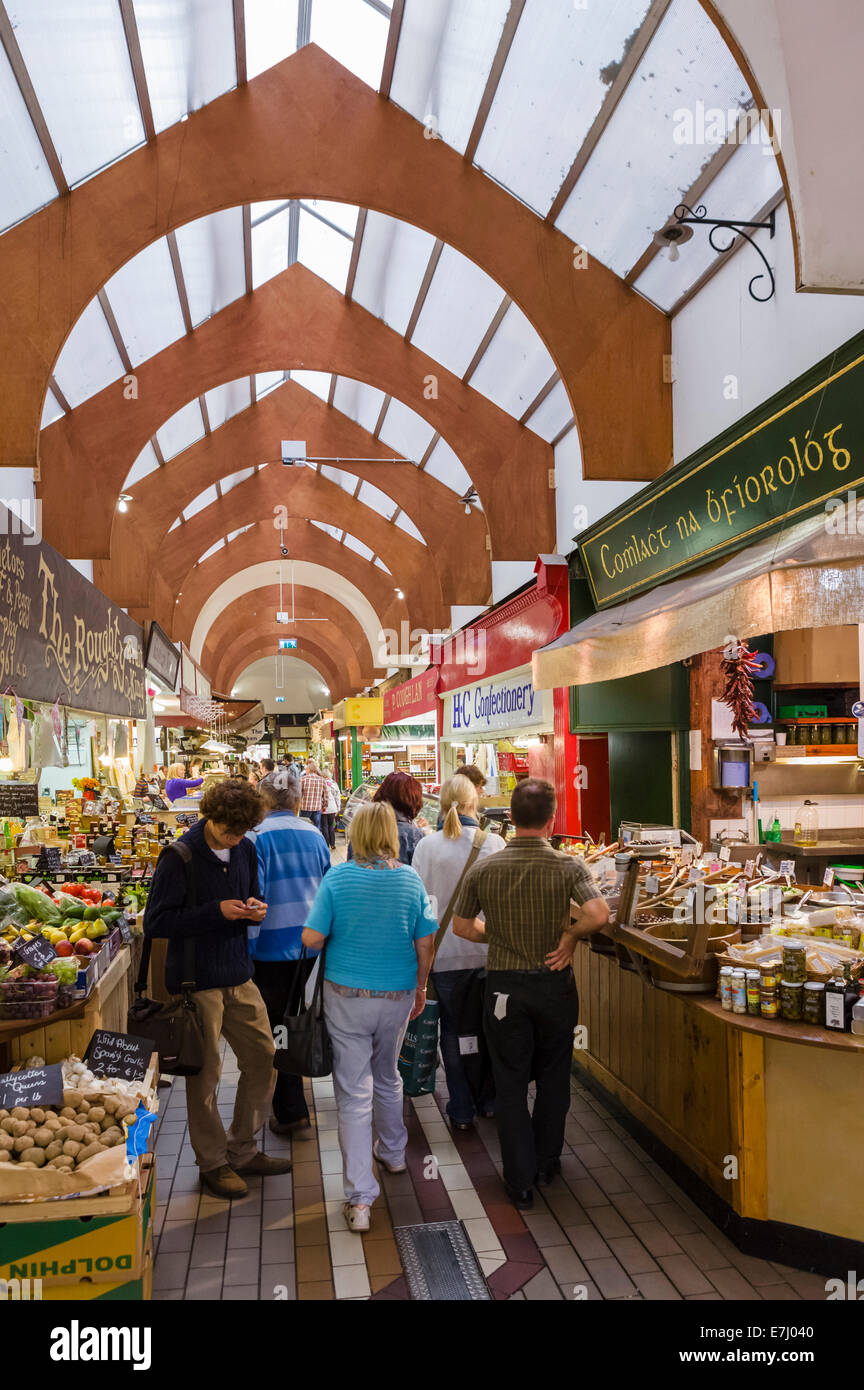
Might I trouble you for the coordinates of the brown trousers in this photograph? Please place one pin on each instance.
(237, 1014)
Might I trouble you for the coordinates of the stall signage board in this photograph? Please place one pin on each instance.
(37, 952)
(780, 463)
(60, 637)
(416, 696)
(19, 799)
(511, 703)
(32, 1086)
(118, 1054)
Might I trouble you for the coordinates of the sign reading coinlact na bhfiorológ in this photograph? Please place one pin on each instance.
(60, 636)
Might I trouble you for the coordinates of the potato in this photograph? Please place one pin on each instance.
(83, 1106)
(112, 1136)
(67, 1113)
(110, 1122)
(89, 1150)
(31, 1126)
(75, 1132)
(19, 1127)
(7, 1124)
(38, 1115)
(124, 1111)
(20, 1113)
(110, 1104)
(54, 1149)
(22, 1142)
(71, 1100)
(35, 1156)
(6, 1141)
(26, 1165)
(64, 1163)
(53, 1124)
(72, 1148)
(96, 1114)
(3, 1114)
(5, 1156)
(42, 1138)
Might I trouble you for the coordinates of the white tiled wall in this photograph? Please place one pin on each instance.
(835, 813)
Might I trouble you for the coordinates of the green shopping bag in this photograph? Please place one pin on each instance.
(418, 1058)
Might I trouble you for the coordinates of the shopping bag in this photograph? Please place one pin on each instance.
(305, 1047)
(418, 1057)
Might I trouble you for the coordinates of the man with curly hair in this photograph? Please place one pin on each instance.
(203, 900)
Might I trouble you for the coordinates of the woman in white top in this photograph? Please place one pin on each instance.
(331, 811)
(459, 965)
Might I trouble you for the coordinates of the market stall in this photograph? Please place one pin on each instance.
(356, 722)
(409, 735)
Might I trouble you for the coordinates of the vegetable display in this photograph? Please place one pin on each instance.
(65, 1137)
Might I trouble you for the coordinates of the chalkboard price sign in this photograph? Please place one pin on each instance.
(118, 1054)
(19, 799)
(32, 1086)
(125, 931)
(38, 952)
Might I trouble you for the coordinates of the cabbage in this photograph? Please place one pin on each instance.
(38, 904)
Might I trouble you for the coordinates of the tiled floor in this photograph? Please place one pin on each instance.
(613, 1226)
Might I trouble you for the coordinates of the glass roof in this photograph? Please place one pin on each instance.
(188, 52)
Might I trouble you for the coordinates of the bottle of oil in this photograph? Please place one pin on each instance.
(807, 824)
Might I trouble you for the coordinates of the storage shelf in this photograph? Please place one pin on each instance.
(816, 685)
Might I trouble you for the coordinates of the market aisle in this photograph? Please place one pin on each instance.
(613, 1224)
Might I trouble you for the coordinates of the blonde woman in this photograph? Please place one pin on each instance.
(376, 920)
(460, 966)
(178, 784)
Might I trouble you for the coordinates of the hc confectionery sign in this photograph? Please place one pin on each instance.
(60, 637)
(779, 463)
(511, 703)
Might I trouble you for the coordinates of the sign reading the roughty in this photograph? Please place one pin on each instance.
(778, 464)
(60, 637)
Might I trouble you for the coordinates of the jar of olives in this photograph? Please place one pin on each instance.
(791, 1000)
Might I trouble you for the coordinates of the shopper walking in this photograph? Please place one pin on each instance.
(475, 777)
(405, 794)
(292, 860)
(273, 776)
(330, 812)
(531, 1004)
(376, 920)
(209, 904)
(177, 784)
(459, 971)
(313, 794)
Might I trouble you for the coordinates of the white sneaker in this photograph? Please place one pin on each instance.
(389, 1167)
(357, 1218)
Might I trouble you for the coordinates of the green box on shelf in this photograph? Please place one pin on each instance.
(803, 712)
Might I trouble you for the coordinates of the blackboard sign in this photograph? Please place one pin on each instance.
(118, 1054)
(125, 931)
(36, 952)
(32, 1086)
(19, 799)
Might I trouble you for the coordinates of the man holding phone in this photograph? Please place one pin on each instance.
(207, 895)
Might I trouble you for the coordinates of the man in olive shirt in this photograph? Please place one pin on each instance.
(531, 1003)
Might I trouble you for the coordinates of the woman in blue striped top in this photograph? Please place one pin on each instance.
(376, 920)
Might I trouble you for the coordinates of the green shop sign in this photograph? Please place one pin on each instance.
(780, 463)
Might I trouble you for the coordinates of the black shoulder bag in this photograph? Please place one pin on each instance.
(175, 1028)
(307, 1050)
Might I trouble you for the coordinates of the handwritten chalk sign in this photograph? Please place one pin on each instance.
(37, 952)
(32, 1086)
(19, 799)
(118, 1054)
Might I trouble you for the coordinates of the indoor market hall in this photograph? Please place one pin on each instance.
(431, 714)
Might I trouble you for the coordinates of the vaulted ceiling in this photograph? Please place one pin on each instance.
(418, 238)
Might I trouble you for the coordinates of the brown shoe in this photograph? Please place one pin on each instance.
(264, 1166)
(224, 1182)
(299, 1129)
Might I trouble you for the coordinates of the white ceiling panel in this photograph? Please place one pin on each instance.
(381, 565)
(51, 410)
(347, 481)
(265, 382)
(234, 479)
(225, 401)
(269, 247)
(271, 33)
(89, 360)
(25, 179)
(746, 183)
(333, 531)
(204, 499)
(461, 303)
(551, 415)
(212, 551)
(316, 382)
(357, 546)
(443, 60)
(444, 465)
(181, 430)
(515, 366)
(358, 401)
(211, 254)
(406, 524)
(376, 499)
(143, 295)
(78, 62)
(145, 464)
(639, 169)
(342, 215)
(232, 535)
(406, 431)
(390, 269)
(188, 52)
(174, 524)
(324, 251)
(569, 53)
(352, 33)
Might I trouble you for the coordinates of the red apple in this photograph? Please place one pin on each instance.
(64, 948)
(83, 947)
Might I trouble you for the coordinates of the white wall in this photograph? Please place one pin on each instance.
(508, 575)
(724, 333)
(572, 491)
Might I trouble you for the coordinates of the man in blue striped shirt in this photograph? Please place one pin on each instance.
(293, 857)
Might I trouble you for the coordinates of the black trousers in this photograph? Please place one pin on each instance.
(276, 979)
(328, 827)
(532, 1037)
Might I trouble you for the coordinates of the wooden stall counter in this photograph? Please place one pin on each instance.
(761, 1121)
(70, 1030)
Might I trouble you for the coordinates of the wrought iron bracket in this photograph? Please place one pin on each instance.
(698, 217)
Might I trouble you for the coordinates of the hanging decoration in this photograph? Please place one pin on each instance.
(738, 669)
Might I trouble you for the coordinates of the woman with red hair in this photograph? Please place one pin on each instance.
(405, 794)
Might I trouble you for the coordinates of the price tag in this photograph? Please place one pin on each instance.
(687, 854)
(828, 877)
(787, 866)
(468, 1046)
(118, 1054)
(652, 885)
(37, 952)
(698, 849)
(696, 874)
(750, 868)
(32, 1086)
(125, 931)
(725, 854)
